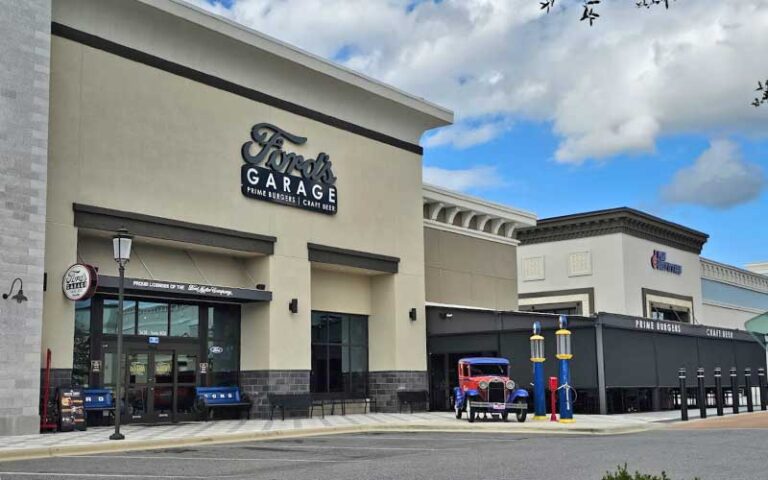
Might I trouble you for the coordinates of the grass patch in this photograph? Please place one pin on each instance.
(622, 473)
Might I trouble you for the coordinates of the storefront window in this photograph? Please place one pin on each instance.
(184, 320)
(81, 360)
(110, 316)
(153, 319)
(223, 345)
(339, 353)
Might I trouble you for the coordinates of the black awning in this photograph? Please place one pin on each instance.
(179, 290)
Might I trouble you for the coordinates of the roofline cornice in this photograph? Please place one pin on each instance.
(227, 27)
(619, 220)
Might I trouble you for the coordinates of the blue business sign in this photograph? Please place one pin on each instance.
(659, 262)
(154, 340)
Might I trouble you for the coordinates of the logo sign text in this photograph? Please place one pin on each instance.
(652, 325)
(274, 174)
(79, 282)
(659, 262)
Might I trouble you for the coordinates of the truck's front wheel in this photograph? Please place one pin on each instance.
(521, 414)
(457, 409)
(470, 413)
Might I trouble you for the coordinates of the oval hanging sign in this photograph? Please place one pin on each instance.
(216, 349)
(79, 282)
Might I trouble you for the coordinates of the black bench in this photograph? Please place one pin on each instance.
(98, 401)
(292, 401)
(342, 400)
(208, 399)
(410, 397)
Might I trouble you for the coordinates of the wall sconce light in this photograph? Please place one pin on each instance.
(445, 315)
(293, 306)
(412, 314)
(19, 297)
(261, 286)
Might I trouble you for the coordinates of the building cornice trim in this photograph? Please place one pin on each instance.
(109, 220)
(730, 275)
(469, 233)
(620, 220)
(352, 258)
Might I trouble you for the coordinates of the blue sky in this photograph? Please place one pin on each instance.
(533, 181)
(650, 108)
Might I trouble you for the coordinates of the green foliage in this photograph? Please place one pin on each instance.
(623, 474)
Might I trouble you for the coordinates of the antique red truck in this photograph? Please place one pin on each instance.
(485, 387)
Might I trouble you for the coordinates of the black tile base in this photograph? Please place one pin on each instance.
(259, 383)
(383, 387)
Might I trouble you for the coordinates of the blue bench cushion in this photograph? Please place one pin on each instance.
(219, 395)
(97, 398)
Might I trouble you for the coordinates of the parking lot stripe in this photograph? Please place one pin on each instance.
(418, 438)
(111, 475)
(214, 459)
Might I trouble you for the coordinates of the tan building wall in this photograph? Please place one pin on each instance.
(469, 271)
(129, 137)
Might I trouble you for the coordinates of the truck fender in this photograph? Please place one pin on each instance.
(458, 397)
(519, 393)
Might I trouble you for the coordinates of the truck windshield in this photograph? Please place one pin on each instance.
(485, 370)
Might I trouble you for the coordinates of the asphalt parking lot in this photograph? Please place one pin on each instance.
(707, 454)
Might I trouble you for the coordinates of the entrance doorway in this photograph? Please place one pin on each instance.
(159, 385)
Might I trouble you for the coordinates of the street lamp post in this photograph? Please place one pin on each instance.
(121, 244)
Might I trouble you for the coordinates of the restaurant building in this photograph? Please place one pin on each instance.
(629, 262)
(283, 240)
(275, 201)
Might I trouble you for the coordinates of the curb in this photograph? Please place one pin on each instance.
(127, 446)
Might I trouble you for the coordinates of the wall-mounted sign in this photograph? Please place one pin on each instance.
(719, 333)
(203, 368)
(79, 282)
(188, 290)
(659, 262)
(656, 326)
(273, 174)
(95, 366)
(215, 349)
(208, 290)
(154, 340)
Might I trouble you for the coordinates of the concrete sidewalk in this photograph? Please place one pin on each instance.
(142, 437)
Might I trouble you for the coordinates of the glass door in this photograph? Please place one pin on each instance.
(186, 381)
(149, 386)
(162, 387)
(137, 386)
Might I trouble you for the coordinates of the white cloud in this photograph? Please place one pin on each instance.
(610, 89)
(464, 136)
(479, 177)
(719, 178)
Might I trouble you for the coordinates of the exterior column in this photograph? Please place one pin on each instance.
(275, 344)
(397, 344)
(24, 91)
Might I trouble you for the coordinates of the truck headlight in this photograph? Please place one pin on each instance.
(483, 385)
(510, 385)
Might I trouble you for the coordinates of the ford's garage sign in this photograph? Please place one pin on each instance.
(79, 282)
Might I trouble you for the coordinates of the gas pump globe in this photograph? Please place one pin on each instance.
(564, 356)
(537, 358)
(563, 341)
(537, 344)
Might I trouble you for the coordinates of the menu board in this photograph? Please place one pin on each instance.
(71, 409)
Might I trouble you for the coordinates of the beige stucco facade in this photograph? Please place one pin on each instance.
(133, 138)
(467, 271)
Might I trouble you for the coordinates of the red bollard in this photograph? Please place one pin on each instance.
(553, 398)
